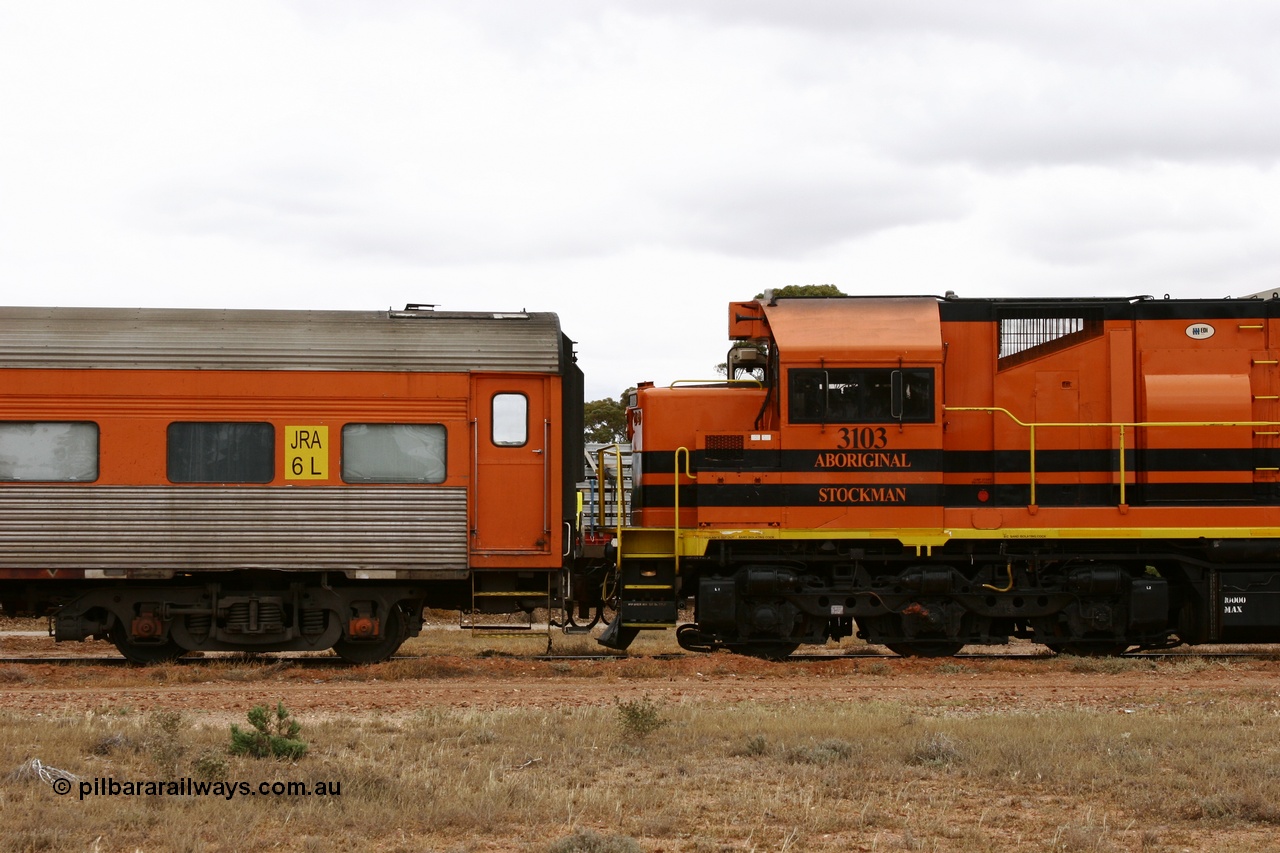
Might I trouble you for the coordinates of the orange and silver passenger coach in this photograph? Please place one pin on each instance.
(282, 480)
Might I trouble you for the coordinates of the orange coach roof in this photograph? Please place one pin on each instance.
(856, 329)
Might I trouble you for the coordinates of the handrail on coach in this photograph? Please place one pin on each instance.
(1031, 427)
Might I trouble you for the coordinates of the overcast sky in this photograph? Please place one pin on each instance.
(633, 166)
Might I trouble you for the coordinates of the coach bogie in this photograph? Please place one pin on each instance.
(361, 624)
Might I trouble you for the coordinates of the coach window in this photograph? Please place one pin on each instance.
(202, 452)
(510, 420)
(393, 453)
(860, 395)
(48, 452)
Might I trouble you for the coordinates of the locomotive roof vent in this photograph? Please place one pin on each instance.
(1029, 332)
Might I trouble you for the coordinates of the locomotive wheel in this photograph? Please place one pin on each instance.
(925, 648)
(394, 633)
(142, 654)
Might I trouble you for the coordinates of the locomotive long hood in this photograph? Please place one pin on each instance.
(859, 330)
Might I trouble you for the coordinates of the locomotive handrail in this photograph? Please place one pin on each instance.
(1121, 425)
(675, 524)
(601, 515)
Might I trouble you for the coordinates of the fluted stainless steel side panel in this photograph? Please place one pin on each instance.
(207, 339)
(188, 529)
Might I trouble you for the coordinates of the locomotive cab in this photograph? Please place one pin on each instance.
(843, 434)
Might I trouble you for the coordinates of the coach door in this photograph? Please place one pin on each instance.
(509, 496)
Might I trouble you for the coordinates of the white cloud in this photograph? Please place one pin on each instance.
(633, 166)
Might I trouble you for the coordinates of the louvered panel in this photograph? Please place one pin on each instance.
(189, 529)
(207, 339)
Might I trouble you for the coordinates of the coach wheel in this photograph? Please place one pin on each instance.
(926, 648)
(394, 633)
(142, 654)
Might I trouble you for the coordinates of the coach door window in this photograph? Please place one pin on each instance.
(48, 452)
(221, 452)
(510, 420)
(860, 395)
(394, 453)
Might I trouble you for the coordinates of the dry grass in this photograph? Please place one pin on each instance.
(711, 777)
(676, 774)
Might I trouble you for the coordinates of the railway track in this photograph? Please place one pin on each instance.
(314, 662)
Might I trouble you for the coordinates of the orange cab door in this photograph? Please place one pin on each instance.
(509, 500)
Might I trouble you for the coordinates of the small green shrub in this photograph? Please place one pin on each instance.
(950, 668)
(14, 675)
(639, 718)
(828, 751)
(938, 748)
(164, 738)
(111, 744)
(590, 841)
(271, 737)
(211, 766)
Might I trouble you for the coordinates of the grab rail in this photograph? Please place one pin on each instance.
(675, 500)
(601, 515)
(1122, 425)
(756, 382)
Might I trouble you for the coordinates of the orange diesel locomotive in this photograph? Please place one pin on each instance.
(926, 473)
(281, 480)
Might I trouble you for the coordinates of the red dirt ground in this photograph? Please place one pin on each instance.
(406, 684)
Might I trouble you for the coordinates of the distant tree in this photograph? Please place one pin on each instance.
(605, 421)
(806, 290)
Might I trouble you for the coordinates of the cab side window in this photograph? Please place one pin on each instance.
(860, 395)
